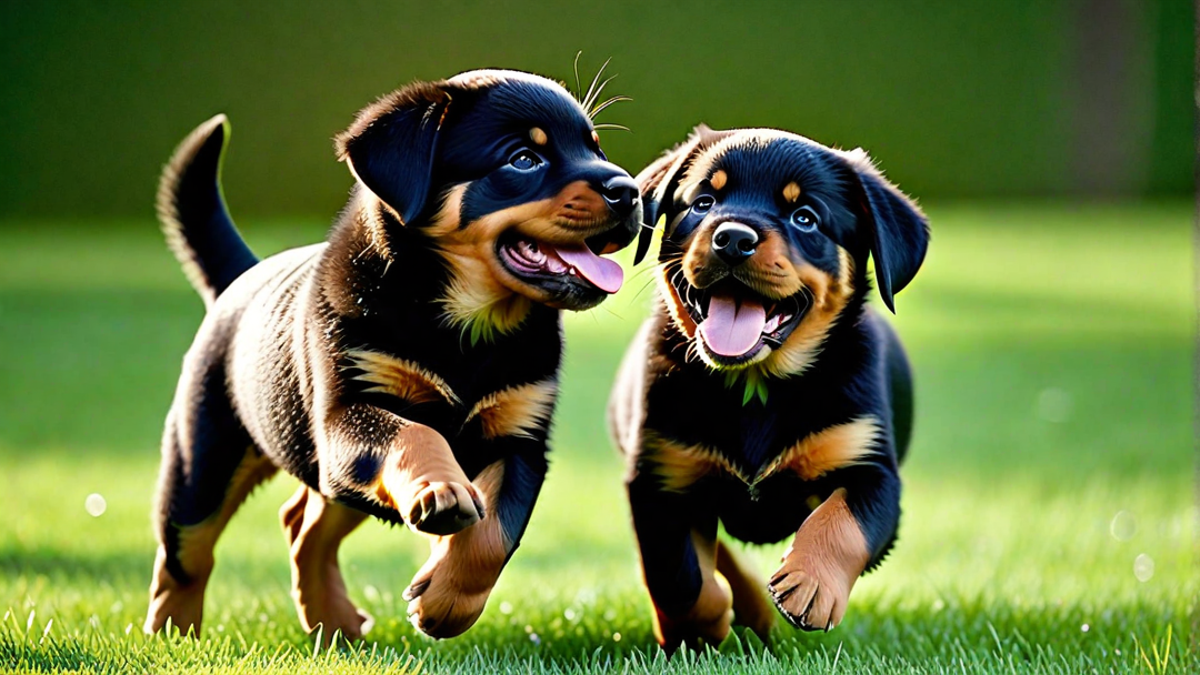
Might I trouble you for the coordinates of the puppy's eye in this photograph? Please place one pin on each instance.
(805, 219)
(525, 161)
(702, 204)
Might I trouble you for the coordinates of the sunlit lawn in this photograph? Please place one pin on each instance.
(1053, 353)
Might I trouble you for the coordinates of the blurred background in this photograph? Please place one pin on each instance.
(1049, 488)
(1021, 98)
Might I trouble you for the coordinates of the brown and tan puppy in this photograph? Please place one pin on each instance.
(407, 368)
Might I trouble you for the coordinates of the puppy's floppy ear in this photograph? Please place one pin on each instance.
(895, 227)
(660, 179)
(391, 145)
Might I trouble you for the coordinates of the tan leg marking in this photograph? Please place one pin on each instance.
(315, 528)
(750, 605)
(422, 480)
(183, 603)
(708, 620)
(448, 594)
(829, 553)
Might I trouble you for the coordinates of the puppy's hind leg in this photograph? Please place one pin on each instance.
(315, 528)
(750, 605)
(209, 467)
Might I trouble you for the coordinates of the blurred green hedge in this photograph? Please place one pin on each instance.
(955, 99)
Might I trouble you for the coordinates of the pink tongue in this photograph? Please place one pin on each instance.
(602, 272)
(733, 327)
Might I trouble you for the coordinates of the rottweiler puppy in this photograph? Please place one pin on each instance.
(764, 394)
(407, 368)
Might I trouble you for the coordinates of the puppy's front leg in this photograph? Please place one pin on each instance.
(677, 540)
(449, 593)
(833, 547)
(375, 454)
(368, 454)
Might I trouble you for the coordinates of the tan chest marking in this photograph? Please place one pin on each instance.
(516, 411)
(833, 448)
(399, 377)
(678, 466)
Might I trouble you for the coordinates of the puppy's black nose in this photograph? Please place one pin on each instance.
(621, 193)
(734, 243)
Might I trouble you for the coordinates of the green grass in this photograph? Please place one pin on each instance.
(1053, 353)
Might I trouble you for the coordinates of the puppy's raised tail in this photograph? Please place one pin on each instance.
(192, 211)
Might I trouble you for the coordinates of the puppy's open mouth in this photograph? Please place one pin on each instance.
(541, 263)
(734, 323)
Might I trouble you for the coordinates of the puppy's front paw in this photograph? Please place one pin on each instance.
(443, 508)
(808, 597)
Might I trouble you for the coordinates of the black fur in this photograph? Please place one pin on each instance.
(272, 372)
(859, 370)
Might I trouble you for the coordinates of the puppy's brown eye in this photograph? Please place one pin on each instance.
(525, 161)
(805, 219)
(702, 204)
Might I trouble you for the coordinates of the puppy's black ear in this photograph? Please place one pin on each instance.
(391, 145)
(659, 181)
(895, 227)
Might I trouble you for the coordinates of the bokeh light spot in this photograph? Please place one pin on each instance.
(95, 505)
(1143, 568)
(1124, 526)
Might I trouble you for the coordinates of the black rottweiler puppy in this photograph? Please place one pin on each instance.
(765, 393)
(407, 368)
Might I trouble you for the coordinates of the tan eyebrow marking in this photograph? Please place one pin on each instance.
(718, 179)
(791, 191)
(538, 136)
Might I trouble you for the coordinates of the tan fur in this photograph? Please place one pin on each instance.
(718, 179)
(833, 448)
(399, 377)
(450, 591)
(538, 136)
(791, 192)
(314, 528)
(674, 304)
(770, 272)
(679, 466)
(516, 411)
(424, 483)
(830, 296)
(184, 603)
(475, 293)
(812, 586)
(750, 605)
(481, 291)
(709, 620)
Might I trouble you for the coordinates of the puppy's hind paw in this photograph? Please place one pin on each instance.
(443, 508)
